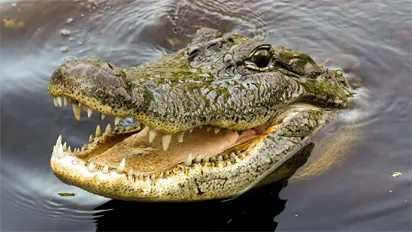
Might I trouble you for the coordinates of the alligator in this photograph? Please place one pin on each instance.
(210, 121)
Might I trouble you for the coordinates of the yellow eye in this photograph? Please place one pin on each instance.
(261, 58)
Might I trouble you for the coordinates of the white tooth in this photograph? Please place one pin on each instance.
(188, 160)
(108, 129)
(198, 159)
(217, 130)
(191, 130)
(166, 141)
(91, 139)
(64, 146)
(180, 137)
(60, 101)
(152, 135)
(102, 116)
(69, 149)
(89, 112)
(59, 141)
(76, 111)
(65, 101)
(130, 173)
(120, 169)
(117, 120)
(106, 169)
(60, 152)
(54, 150)
(56, 103)
(208, 129)
(98, 131)
(90, 167)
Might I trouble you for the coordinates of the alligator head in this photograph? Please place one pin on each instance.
(215, 118)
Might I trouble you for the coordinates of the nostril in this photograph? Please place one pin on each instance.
(192, 51)
(110, 66)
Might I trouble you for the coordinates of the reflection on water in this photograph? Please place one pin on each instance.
(369, 39)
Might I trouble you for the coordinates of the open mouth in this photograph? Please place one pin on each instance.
(140, 152)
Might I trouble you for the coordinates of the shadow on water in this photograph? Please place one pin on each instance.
(254, 210)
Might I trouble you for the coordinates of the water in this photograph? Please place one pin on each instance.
(372, 39)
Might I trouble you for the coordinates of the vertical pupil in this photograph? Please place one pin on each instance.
(261, 58)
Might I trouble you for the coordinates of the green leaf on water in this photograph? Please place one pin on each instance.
(67, 194)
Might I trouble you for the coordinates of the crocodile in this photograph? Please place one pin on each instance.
(209, 121)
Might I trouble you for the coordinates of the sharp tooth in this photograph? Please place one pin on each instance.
(76, 111)
(191, 130)
(188, 160)
(90, 167)
(120, 169)
(69, 149)
(98, 131)
(91, 139)
(59, 141)
(208, 129)
(102, 116)
(56, 103)
(180, 137)
(106, 169)
(89, 112)
(54, 150)
(117, 120)
(60, 101)
(198, 159)
(217, 130)
(130, 173)
(64, 146)
(166, 141)
(60, 152)
(108, 129)
(220, 158)
(152, 135)
(65, 101)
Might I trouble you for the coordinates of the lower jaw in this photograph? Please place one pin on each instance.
(227, 175)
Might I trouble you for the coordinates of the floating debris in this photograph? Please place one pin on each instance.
(69, 20)
(65, 32)
(396, 174)
(67, 194)
(64, 49)
(13, 24)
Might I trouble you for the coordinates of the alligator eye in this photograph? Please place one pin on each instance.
(261, 58)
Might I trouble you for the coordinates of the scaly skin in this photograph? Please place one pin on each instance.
(218, 81)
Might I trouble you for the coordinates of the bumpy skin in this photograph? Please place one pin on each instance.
(218, 80)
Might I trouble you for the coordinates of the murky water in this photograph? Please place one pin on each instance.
(372, 39)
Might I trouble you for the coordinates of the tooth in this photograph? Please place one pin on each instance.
(91, 139)
(120, 169)
(54, 150)
(130, 173)
(56, 103)
(69, 149)
(191, 130)
(60, 101)
(89, 112)
(117, 120)
(102, 116)
(108, 129)
(65, 101)
(59, 141)
(188, 160)
(208, 129)
(166, 141)
(220, 158)
(64, 146)
(152, 135)
(206, 159)
(83, 148)
(198, 159)
(90, 167)
(76, 111)
(106, 169)
(98, 131)
(60, 152)
(180, 137)
(217, 130)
